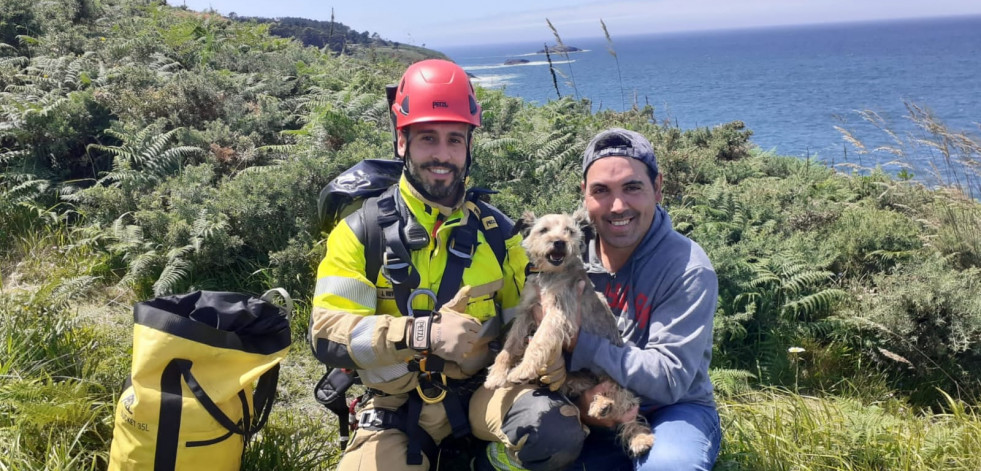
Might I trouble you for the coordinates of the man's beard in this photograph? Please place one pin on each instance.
(438, 190)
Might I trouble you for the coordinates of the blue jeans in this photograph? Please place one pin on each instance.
(686, 437)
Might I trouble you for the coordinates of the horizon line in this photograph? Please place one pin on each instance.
(723, 30)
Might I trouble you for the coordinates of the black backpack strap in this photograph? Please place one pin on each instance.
(414, 431)
(171, 405)
(184, 367)
(373, 247)
(378, 227)
(262, 400)
(396, 260)
(496, 226)
(456, 414)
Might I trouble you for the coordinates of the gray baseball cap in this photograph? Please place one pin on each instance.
(619, 142)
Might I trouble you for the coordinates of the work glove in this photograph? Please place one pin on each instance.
(448, 333)
(552, 374)
(481, 355)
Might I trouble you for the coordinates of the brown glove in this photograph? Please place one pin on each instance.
(448, 333)
(553, 373)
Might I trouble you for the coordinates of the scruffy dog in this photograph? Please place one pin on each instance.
(554, 243)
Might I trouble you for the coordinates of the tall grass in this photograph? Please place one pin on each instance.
(551, 70)
(55, 411)
(565, 54)
(953, 156)
(958, 228)
(777, 430)
(293, 441)
(613, 52)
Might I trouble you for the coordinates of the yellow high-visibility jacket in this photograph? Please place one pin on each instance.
(356, 324)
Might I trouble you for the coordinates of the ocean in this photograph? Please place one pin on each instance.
(790, 85)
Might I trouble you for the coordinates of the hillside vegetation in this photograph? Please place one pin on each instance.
(337, 37)
(147, 150)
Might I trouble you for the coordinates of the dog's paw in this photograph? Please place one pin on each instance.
(496, 378)
(523, 373)
(601, 407)
(636, 437)
(640, 444)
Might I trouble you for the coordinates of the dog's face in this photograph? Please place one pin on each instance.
(552, 241)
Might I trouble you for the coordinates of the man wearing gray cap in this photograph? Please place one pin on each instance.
(663, 290)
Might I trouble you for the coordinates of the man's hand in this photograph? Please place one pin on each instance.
(448, 333)
(587, 398)
(553, 374)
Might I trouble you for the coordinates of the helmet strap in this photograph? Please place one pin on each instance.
(466, 169)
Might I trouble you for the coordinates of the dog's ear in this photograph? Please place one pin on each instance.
(585, 225)
(523, 225)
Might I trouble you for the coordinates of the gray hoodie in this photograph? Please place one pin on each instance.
(664, 298)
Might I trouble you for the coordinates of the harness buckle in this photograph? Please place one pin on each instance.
(392, 261)
(459, 253)
(397, 271)
(370, 419)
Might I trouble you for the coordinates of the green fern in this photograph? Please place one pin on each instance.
(823, 301)
(785, 302)
(144, 158)
(731, 382)
(503, 144)
(205, 228)
(176, 271)
(74, 288)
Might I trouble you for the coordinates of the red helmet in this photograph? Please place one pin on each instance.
(435, 90)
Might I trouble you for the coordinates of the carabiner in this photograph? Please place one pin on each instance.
(418, 292)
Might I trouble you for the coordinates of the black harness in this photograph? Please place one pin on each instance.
(395, 235)
(390, 233)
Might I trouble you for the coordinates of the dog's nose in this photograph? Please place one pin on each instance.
(559, 244)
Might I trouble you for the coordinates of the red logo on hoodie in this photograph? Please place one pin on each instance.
(619, 298)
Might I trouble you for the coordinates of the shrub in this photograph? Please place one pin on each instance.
(698, 156)
(53, 133)
(958, 227)
(926, 319)
(17, 18)
(870, 240)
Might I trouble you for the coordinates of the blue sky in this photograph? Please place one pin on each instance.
(440, 23)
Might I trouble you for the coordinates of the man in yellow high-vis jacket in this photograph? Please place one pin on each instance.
(421, 368)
